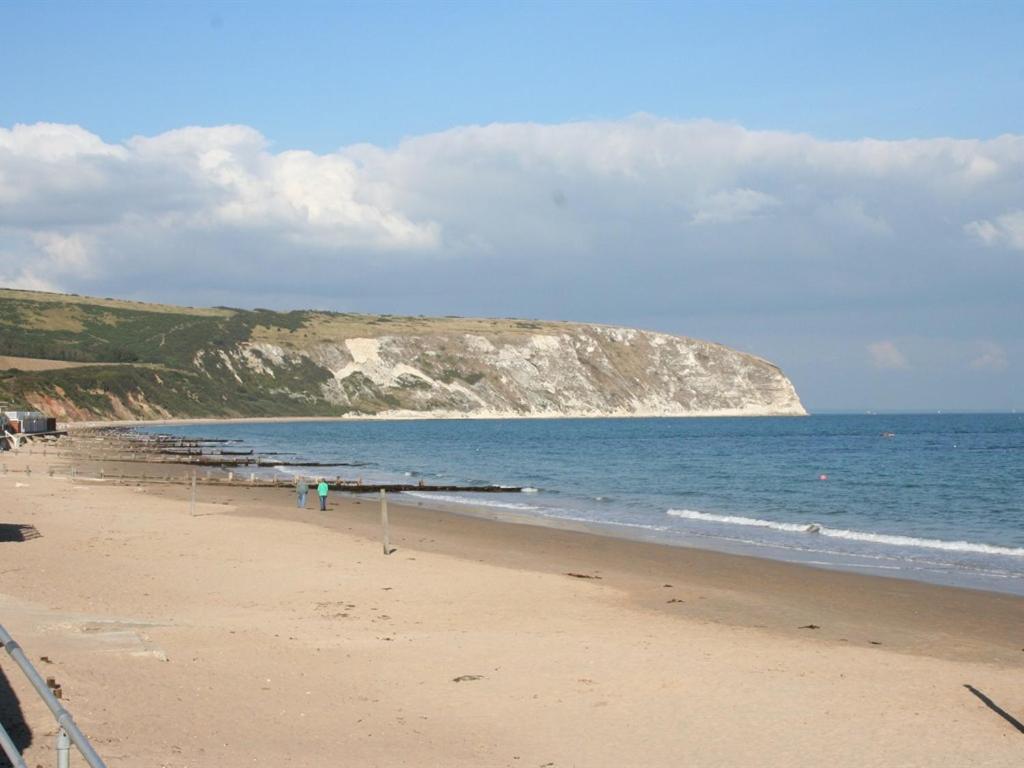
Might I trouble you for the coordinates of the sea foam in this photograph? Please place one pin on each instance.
(473, 502)
(841, 533)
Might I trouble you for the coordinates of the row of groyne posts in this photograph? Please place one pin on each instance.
(220, 464)
(68, 733)
(113, 453)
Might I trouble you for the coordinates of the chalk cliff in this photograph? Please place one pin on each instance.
(150, 361)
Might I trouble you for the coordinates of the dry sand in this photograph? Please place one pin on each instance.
(258, 634)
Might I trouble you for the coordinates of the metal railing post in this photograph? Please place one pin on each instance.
(63, 717)
(10, 749)
(63, 749)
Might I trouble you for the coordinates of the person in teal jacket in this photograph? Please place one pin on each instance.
(321, 490)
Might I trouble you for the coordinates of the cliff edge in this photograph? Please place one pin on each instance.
(82, 359)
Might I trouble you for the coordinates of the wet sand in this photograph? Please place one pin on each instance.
(255, 632)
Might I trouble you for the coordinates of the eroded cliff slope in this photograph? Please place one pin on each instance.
(153, 361)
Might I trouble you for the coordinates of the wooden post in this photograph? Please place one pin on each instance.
(384, 521)
(192, 502)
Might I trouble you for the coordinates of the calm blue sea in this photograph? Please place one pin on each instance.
(932, 497)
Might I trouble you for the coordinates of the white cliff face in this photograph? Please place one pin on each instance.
(575, 370)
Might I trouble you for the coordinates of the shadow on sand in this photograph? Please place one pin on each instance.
(12, 719)
(12, 532)
(996, 708)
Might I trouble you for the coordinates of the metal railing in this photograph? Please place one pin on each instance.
(67, 734)
(11, 749)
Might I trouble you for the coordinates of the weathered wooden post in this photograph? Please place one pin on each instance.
(384, 521)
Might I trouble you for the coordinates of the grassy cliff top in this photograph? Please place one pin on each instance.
(83, 358)
(70, 299)
(74, 328)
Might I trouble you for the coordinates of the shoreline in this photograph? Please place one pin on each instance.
(452, 416)
(477, 642)
(916, 568)
(726, 546)
(434, 416)
(512, 538)
(810, 591)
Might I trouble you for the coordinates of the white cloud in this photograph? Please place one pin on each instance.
(847, 214)
(54, 143)
(60, 181)
(990, 357)
(684, 211)
(887, 356)
(67, 254)
(1007, 229)
(731, 205)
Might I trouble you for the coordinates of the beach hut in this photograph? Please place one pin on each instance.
(25, 422)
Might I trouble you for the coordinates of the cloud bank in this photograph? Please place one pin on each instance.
(72, 205)
(691, 226)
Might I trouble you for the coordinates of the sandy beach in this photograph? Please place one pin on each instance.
(255, 633)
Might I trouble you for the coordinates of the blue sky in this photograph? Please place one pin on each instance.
(323, 75)
(838, 187)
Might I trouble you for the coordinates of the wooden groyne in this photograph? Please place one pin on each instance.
(231, 480)
(117, 444)
(116, 453)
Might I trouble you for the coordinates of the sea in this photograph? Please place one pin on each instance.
(936, 497)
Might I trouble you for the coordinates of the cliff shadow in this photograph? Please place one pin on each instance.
(12, 719)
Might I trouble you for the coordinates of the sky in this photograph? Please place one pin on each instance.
(836, 187)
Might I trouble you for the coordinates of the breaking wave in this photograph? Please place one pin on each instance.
(472, 502)
(841, 533)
